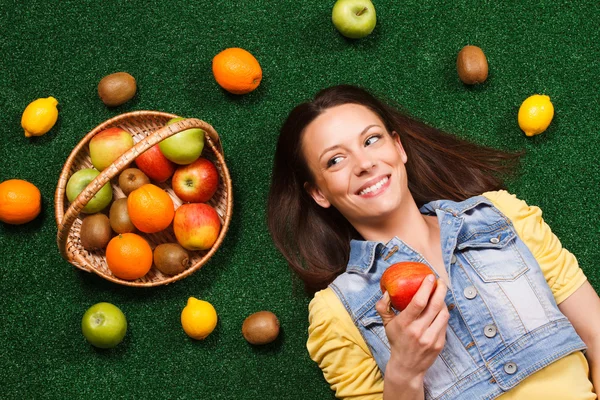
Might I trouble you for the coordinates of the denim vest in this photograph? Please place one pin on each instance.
(504, 322)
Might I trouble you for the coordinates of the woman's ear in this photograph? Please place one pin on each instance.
(317, 195)
(399, 146)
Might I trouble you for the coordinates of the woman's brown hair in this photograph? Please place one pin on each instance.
(315, 241)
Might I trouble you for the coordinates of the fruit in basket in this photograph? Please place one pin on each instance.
(196, 182)
(131, 179)
(196, 226)
(354, 19)
(184, 147)
(116, 89)
(79, 181)
(20, 201)
(198, 318)
(261, 328)
(150, 208)
(171, 258)
(119, 217)
(236, 70)
(39, 116)
(104, 325)
(472, 65)
(95, 232)
(108, 145)
(153, 163)
(402, 280)
(128, 256)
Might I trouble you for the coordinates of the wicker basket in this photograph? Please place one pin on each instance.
(147, 128)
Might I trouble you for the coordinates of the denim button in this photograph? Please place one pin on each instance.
(453, 259)
(489, 331)
(510, 368)
(495, 240)
(470, 292)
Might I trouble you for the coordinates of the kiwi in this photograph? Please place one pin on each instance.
(171, 258)
(119, 217)
(261, 328)
(95, 232)
(131, 179)
(116, 89)
(472, 65)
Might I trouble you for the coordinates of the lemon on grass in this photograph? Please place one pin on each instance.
(198, 318)
(535, 114)
(39, 116)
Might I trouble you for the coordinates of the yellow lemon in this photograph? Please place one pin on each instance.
(198, 318)
(39, 116)
(535, 114)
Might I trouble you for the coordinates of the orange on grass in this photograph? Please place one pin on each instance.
(150, 208)
(236, 70)
(129, 256)
(20, 201)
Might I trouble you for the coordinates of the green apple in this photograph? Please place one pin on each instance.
(354, 19)
(104, 325)
(79, 181)
(184, 147)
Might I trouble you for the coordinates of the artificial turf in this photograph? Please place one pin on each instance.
(63, 49)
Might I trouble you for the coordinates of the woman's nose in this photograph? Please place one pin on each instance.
(363, 163)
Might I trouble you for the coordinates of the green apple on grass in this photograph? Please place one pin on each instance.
(104, 325)
(79, 181)
(184, 147)
(354, 19)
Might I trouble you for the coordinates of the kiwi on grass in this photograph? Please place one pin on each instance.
(261, 328)
(119, 217)
(171, 258)
(472, 65)
(116, 89)
(95, 232)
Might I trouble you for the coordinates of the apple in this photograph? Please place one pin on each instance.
(402, 280)
(104, 325)
(354, 19)
(196, 182)
(196, 226)
(184, 147)
(155, 165)
(108, 145)
(79, 181)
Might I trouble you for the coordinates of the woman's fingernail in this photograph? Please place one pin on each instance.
(431, 278)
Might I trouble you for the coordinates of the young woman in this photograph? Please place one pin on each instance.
(357, 186)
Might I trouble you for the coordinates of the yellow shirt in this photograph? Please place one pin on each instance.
(335, 343)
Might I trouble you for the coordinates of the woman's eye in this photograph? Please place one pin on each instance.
(372, 139)
(333, 161)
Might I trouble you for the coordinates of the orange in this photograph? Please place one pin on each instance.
(129, 256)
(236, 70)
(20, 201)
(150, 208)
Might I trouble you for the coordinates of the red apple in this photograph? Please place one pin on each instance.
(402, 280)
(196, 182)
(155, 165)
(108, 145)
(196, 226)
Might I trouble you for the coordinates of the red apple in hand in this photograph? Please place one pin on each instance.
(196, 182)
(196, 226)
(402, 280)
(155, 165)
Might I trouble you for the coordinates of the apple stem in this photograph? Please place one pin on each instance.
(361, 12)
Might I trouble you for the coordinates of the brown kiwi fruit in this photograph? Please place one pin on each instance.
(472, 65)
(171, 258)
(116, 89)
(131, 179)
(119, 217)
(95, 232)
(261, 328)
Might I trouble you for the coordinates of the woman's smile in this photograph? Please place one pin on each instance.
(374, 187)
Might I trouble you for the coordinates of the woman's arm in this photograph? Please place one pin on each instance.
(582, 308)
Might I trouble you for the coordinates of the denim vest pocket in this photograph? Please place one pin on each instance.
(481, 252)
(375, 324)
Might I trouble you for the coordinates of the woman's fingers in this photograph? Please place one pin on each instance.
(435, 304)
(420, 299)
(384, 308)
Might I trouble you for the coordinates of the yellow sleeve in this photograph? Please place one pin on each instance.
(560, 267)
(336, 345)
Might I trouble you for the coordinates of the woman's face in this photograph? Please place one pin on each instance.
(358, 166)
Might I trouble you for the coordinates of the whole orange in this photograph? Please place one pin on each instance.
(129, 256)
(150, 208)
(20, 201)
(236, 70)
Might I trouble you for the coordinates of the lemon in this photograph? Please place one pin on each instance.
(535, 114)
(39, 116)
(198, 318)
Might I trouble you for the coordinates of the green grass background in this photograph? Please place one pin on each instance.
(63, 49)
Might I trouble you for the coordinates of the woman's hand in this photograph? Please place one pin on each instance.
(417, 335)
